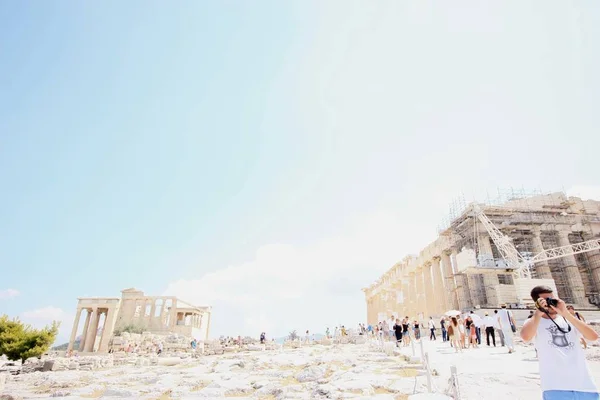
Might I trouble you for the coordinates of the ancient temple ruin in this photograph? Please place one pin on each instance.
(489, 254)
(135, 310)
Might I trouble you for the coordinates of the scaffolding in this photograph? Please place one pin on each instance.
(517, 212)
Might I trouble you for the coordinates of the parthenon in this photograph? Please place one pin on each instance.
(156, 314)
(464, 268)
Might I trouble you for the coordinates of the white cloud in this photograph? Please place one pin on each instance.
(288, 287)
(44, 316)
(9, 293)
(585, 192)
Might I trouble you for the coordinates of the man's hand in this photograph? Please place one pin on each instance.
(561, 308)
(541, 305)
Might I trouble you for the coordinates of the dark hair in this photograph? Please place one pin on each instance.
(538, 290)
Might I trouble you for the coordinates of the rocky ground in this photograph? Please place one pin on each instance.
(343, 371)
(311, 372)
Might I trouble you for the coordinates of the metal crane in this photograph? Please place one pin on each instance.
(522, 267)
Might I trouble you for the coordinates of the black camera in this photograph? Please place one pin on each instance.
(551, 302)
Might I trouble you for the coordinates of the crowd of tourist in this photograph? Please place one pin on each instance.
(461, 330)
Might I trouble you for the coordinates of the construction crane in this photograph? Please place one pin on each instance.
(522, 267)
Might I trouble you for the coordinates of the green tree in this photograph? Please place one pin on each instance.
(20, 341)
(293, 335)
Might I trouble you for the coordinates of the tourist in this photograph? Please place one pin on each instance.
(497, 328)
(454, 334)
(307, 337)
(508, 327)
(478, 322)
(563, 368)
(417, 330)
(444, 331)
(391, 324)
(431, 329)
(398, 331)
(488, 324)
(461, 331)
(386, 329)
(193, 344)
(579, 317)
(405, 331)
(327, 333)
(473, 335)
(263, 337)
(160, 348)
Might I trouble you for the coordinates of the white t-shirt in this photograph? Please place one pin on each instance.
(489, 322)
(391, 324)
(503, 316)
(562, 360)
(431, 325)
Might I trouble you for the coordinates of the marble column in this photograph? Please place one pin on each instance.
(86, 327)
(542, 269)
(207, 327)
(429, 290)
(421, 296)
(74, 330)
(107, 331)
(92, 331)
(412, 294)
(572, 275)
(439, 290)
(405, 296)
(449, 282)
(490, 280)
(593, 259)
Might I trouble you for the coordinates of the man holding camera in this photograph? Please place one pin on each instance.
(563, 368)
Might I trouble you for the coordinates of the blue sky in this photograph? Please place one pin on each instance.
(271, 158)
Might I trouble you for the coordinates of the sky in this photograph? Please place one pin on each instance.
(270, 158)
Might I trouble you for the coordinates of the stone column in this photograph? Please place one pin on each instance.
(475, 289)
(449, 282)
(490, 280)
(86, 327)
(207, 327)
(486, 255)
(152, 312)
(173, 321)
(439, 291)
(420, 292)
(162, 310)
(412, 295)
(107, 331)
(429, 291)
(593, 259)
(74, 330)
(572, 275)
(92, 331)
(405, 296)
(463, 292)
(542, 269)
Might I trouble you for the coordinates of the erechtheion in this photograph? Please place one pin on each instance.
(156, 314)
(494, 253)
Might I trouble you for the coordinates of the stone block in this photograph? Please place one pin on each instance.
(49, 365)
